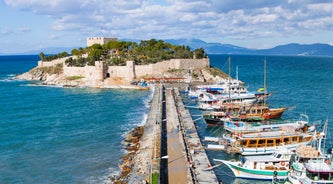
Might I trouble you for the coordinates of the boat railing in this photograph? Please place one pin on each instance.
(270, 134)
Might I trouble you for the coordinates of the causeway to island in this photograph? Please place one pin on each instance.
(167, 149)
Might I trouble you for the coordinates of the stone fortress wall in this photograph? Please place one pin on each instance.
(130, 72)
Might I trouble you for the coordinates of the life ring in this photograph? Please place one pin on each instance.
(282, 163)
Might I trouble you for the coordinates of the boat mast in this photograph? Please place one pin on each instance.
(237, 82)
(229, 63)
(265, 90)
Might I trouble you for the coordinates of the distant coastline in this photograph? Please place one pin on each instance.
(291, 49)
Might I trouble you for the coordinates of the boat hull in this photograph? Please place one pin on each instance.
(270, 150)
(213, 121)
(274, 113)
(254, 174)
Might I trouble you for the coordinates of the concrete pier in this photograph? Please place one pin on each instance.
(187, 159)
(195, 152)
(170, 147)
(179, 170)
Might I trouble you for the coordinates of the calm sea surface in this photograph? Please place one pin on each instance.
(62, 135)
(304, 83)
(74, 135)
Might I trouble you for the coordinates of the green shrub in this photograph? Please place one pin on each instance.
(74, 77)
(57, 69)
(155, 178)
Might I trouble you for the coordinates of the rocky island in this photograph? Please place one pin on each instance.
(116, 70)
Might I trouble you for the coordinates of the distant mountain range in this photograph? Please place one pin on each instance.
(293, 49)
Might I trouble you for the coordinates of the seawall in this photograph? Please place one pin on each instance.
(100, 71)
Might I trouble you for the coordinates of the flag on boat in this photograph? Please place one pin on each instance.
(261, 89)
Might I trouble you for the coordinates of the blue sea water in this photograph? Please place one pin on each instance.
(62, 135)
(302, 83)
(74, 135)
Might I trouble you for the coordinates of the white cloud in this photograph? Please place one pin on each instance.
(5, 31)
(54, 37)
(235, 19)
(24, 29)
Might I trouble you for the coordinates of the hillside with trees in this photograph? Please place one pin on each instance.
(116, 53)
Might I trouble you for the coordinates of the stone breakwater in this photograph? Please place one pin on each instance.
(132, 144)
(142, 145)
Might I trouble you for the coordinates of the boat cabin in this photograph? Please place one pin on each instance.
(319, 170)
(258, 142)
(276, 161)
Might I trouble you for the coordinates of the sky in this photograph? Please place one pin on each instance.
(27, 25)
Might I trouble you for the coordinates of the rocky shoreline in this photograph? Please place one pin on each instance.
(54, 76)
(51, 78)
(132, 144)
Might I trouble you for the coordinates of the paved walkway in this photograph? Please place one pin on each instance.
(196, 151)
(187, 160)
(178, 166)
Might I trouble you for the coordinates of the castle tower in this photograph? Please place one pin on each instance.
(130, 76)
(101, 70)
(100, 40)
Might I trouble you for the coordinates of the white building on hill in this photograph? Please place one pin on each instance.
(100, 40)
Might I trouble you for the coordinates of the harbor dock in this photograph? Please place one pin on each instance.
(199, 165)
(170, 148)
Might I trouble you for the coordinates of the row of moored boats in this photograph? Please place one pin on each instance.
(270, 148)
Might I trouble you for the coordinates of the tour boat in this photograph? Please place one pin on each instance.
(248, 113)
(315, 168)
(311, 165)
(268, 142)
(227, 86)
(218, 118)
(210, 101)
(238, 128)
(263, 167)
(265, 139)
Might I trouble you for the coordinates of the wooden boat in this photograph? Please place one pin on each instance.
(264, 112)
(237, 129)
(267, 142)
(263, 167)
(265, 139)
(247, 113)
(218, 118)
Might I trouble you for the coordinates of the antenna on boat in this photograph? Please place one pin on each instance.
(323, 135)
